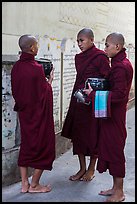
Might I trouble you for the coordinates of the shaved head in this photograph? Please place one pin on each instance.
(26, 41)
(86, 31)
(114, 43)
(116, 38)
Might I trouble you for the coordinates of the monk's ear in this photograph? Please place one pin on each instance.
(117, 46)
(32, 48)
(92, 40)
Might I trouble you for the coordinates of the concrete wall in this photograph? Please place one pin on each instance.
(55, 24)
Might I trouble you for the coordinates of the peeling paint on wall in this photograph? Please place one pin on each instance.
(9, 117)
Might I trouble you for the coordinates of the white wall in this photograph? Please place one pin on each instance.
(65, 19)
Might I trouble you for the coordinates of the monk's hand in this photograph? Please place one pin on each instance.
(88, 91)
(51, 77)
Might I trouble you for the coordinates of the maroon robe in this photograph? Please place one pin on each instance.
(34, 104)
(79, 125)
(113, 130)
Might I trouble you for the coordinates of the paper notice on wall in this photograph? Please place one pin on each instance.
(49, 48)
(69, 72)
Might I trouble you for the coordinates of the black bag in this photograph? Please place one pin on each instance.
(47, 66)
(97, 84)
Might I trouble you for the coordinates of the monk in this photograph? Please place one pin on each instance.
(79, 125)
(33, 97)
(113, 131)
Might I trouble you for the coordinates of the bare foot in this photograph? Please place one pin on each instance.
(88, 176)
(39, 189)
(107, 192)
(77, 176)
(25, 187)
(116, 198)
